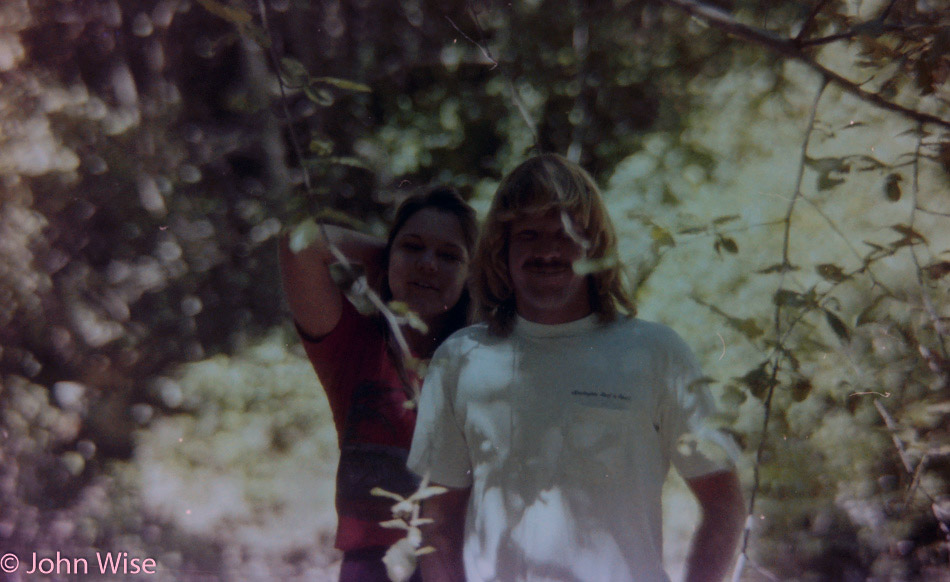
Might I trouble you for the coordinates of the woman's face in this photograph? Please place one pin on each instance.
(428, 263)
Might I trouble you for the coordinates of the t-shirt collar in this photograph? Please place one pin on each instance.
(527, 328)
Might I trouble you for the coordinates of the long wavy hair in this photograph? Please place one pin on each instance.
(444, 199)
(542, 183)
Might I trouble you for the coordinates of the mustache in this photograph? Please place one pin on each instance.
(547, 264)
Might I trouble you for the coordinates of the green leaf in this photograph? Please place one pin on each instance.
(661, 237)
(343, 84)
(910, 235)
(841, 330)
(747, 327)
(413, 320)
(732, 397)
(293, 71)
(320, 96)
(831, 272)
(427, 492)
(588, 266)
(788, 298)
(416, 323)
(346, 276)
(825, 167)
(337, 160)
(400, 560)
(699, 383)
(937, 270)
(826, 182)
(778, 268)
(320, 147)
(892, 187)
(669, 198)
(759, 380)
(801, 389)
(380, 492)
(867, 314)
(303, 235)
(730, 245)
(693, 230)
(231, 14)
(724, 219)
(338, 217)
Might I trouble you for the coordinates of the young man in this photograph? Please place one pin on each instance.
(554, 424)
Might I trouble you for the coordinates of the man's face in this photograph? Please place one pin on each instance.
(541, 254)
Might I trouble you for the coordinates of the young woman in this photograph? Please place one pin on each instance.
(424, 264)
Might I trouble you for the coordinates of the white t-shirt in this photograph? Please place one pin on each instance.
(565, 434)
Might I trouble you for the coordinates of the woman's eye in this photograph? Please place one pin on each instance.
(411, 246)
(453, 257)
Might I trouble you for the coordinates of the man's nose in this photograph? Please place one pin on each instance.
(548, 247)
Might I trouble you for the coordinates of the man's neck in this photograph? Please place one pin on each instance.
(564, 314)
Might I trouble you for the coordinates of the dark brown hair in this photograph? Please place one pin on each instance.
(444, 199)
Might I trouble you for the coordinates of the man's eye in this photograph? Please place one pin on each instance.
(526, 235)
(411, 246)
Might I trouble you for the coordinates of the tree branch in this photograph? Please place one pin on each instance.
(777, 353)
(515, 94)
(810, 20)
(789, 48)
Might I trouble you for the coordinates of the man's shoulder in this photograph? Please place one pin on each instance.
(651, 335)
(470, 337)
(641, 328)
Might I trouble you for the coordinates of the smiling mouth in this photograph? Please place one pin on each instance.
(425, 286)
(544, 268)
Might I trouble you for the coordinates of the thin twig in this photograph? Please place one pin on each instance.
(893, 428)
(512, 88)
(288, 118)
(787, 235)
(777, 357)
(393, 321)
(485, 52)
(810, 20)
(925, 295)
(887, 11)
(875, 26)
(581, 106)
(722, 21)
(863, 29)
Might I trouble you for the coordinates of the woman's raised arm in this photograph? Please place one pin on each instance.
(314, 299)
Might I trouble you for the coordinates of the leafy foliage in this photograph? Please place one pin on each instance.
(150, 156)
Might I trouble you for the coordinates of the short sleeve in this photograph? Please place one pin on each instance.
(439, 448)
(342, 356)
(685, 408)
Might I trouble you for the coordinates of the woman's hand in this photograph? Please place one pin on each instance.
(314, 299)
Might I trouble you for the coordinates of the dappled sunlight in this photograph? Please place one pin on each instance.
(250, 459)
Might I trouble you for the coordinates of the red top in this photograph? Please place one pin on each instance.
(374, 426)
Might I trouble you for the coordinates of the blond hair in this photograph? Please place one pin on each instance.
(542, 183)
